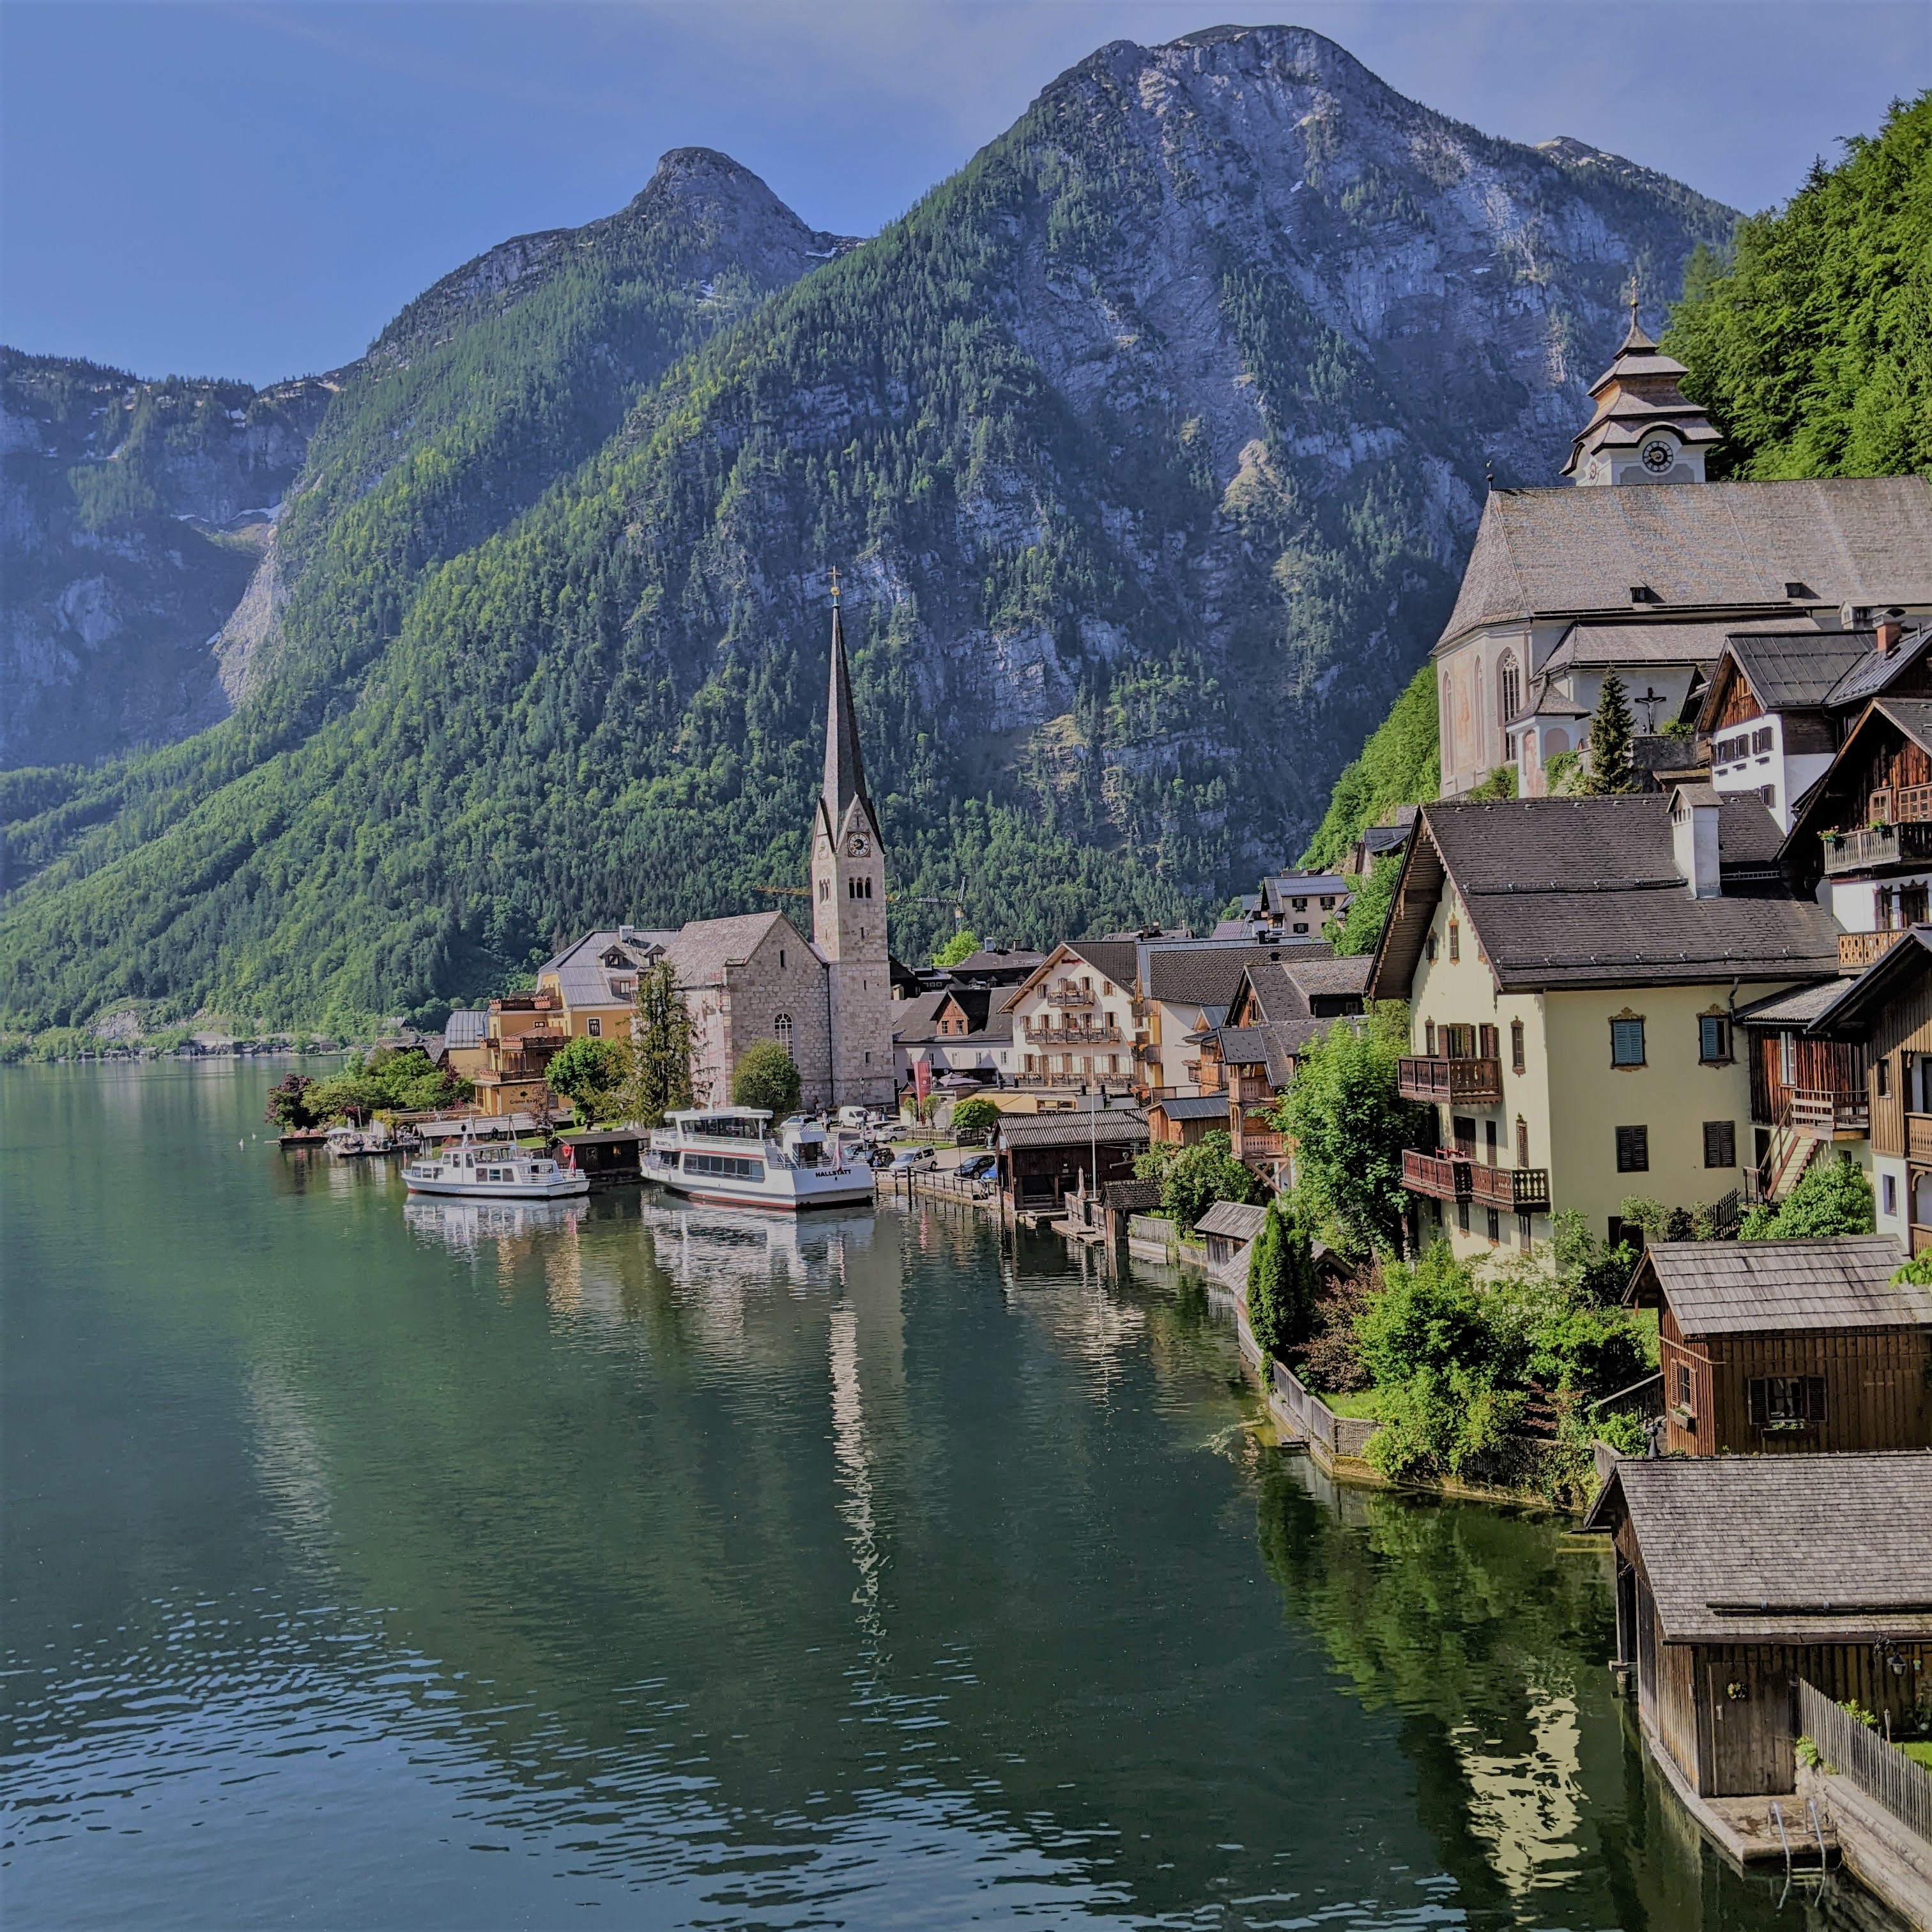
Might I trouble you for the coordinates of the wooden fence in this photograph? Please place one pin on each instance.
(1855, 1751)
(1339, 1435)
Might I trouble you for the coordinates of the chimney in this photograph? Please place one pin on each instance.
(1888, 631)
(1693, 839)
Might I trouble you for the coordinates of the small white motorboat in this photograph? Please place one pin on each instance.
(729, 1156)
(493, 1170)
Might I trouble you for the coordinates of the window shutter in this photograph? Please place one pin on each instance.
(1489, 1043)
(1814, 1398)
(1757, 1397)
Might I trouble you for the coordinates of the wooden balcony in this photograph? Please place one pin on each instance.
(1259, 1147)
(1439, 1177)
(1069, 993)
(1039, 1033)
(1251, 1092)
(1515, 1190)
(1828, 1116)
(1475, 1083)
(1918, 1139)
(1858, 950)
(1877, 846)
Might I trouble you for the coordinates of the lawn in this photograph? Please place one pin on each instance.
(1919, 1750)
(1362, 1406)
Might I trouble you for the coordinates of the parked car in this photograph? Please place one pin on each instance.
(879, 1156)
(907, 1159)
(979, 1167)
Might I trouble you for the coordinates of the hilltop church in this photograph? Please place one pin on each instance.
(1640, 566)
(826, 999)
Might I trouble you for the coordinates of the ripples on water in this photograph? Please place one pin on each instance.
(454, 1564)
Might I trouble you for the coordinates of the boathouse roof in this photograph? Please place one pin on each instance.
(1748, 1288)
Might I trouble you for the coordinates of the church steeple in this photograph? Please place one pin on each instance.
(844, 772)
(848, 903)
(1645, 430)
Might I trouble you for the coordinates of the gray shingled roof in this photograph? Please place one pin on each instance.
(1328, 976)
(1590, 646)
(704, 947)
(1797, 1008)
(1874, 670)
(1201, 976)
(1800, 1549)
(913, 1019)
(1115, 1125)
(1237, 1218)
(1584, 892)
(1857, 1002)
(1194, 1107)
(1547, 552)
(1797, 670)
(1112, 959)
(1744, 1288)
(465, 1029)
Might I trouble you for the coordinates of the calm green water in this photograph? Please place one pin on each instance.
(376, 1566)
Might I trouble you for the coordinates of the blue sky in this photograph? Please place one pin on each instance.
(252, 191)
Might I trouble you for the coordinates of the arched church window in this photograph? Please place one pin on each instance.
(782, 1033)
(1510, 679)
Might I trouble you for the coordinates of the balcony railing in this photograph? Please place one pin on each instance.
(1068, 993)
(1918, 1139)
(1876, 846)
(1438, 1176)
(1249, 1089)
(1259, 1147)
(1479, 1083)
(1826, 1115)
(1921, 1239)
(1515, 1190)
(1858, 950)
(1039, 1033)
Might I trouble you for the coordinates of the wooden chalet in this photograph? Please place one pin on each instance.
(1886, 1015)
(1807, 1092)
(1227, 1228)
(1865, 829)
(1184, 1119)
(1776, 1347)
(1737, 1576)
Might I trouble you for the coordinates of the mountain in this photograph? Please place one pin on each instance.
(1149, 446)
(132, 515)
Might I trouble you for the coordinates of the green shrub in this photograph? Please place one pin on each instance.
(766, 1077)
(591, 1075)
(1202, 1175)
(1832, 1198)
(972, 1119)
(1281, 1283)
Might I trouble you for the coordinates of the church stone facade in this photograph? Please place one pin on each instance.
(827, 999)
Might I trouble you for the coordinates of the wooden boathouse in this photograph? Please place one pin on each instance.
(1737, 1577)
(1778, 1347)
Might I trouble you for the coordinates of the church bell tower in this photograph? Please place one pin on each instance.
(1645, 430)
(848, 903)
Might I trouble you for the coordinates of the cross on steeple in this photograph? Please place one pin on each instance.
(835, 583)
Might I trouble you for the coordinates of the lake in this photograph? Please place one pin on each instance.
(375, 1565)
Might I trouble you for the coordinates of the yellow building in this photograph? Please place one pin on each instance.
(524, 1032)
(1573, 968)
(594, 981)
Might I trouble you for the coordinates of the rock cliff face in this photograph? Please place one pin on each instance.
(146, 564)
(1150, 446)
(132, 514)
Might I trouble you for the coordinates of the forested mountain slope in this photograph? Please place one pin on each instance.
(132, 514)
(1149, 445)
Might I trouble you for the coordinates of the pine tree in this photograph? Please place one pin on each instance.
(1612, 769)
(660, 1050)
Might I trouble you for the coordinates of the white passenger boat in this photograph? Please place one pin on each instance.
(729, 1156)
(493, 1171)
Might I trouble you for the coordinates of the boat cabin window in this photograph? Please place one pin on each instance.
(726, 1126)
(725, 1166)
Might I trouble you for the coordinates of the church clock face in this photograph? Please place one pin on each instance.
(1658, 456)
(858, 845)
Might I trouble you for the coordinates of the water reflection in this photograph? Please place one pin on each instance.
(466, 1226)
(377, 1566)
